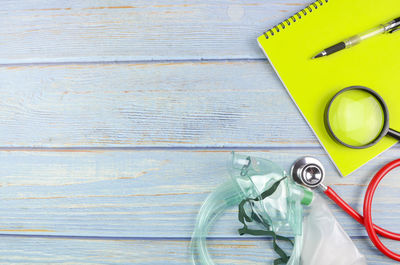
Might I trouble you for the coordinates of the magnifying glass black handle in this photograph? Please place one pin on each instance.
(394, 134)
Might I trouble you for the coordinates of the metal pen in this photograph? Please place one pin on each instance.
(390, 27)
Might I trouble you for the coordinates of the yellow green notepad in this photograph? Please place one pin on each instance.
(374, 63)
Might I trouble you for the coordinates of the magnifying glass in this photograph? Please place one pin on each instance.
(358, 117)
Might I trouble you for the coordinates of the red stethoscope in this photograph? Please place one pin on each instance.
(309, 172)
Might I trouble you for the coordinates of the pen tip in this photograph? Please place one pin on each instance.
(318, 55)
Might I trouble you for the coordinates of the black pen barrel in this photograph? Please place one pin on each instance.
(335, 48)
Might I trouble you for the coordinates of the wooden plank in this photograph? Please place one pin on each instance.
(217, 104)
(28, 250)
(81, 251)
(149, 193)
(81, 31)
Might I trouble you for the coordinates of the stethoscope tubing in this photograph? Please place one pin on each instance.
(366, 220)
(369, 225)
(356, 216)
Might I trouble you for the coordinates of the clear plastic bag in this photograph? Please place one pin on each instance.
(324, 240)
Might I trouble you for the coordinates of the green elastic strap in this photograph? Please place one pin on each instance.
(243, 218)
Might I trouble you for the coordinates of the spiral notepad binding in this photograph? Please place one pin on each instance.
(287, 22)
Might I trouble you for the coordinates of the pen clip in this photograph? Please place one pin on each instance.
(395, 26)
(394, 29)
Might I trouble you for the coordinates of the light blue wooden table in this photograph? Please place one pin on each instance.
(117, 119)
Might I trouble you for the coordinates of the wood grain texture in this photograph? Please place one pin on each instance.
(162, 78)
(87, 251)
(147, 193)
(28, 250)
(208, 104)
(81, 31)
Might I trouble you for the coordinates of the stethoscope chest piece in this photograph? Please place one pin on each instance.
(308, 171)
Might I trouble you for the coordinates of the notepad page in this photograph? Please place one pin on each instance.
(374, 63)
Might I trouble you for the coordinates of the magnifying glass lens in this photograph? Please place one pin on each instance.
(356, 117)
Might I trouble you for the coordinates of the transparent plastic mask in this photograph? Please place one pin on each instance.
(283, 209)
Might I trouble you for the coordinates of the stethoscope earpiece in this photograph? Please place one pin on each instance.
(308, 171)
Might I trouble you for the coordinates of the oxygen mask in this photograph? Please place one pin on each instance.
(267, 199)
